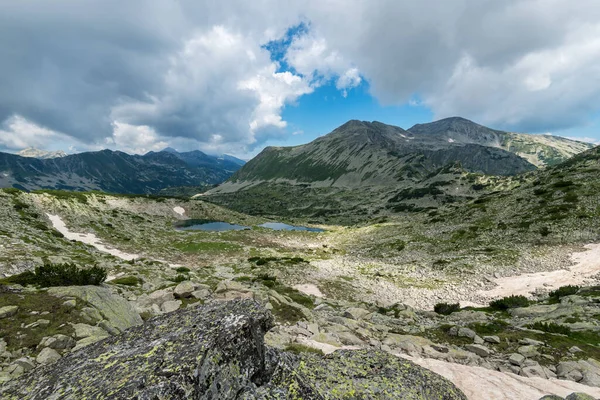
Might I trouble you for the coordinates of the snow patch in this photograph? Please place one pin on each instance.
(450, 140)
(586, 265)
(309, 289)
(88, 238)
(179, 210)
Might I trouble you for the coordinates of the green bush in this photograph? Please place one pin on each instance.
(509, 302)
(127, 281)
(445, 308)
(49, 275)
(179, 278)
(550, 327)
(564, 291)
(182, 270)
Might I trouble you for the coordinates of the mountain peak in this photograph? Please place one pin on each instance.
(169, 150)
(41, 154)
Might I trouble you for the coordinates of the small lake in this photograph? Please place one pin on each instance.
(209, 226)
(278, 226)
(218, 226)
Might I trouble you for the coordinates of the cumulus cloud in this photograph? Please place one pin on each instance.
(137, 75)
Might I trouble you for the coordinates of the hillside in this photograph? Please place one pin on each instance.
(114, 171)
(363, 170)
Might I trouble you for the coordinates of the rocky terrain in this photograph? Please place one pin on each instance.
(432, 286)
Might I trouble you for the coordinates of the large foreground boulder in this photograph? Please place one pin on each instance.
(217, 352)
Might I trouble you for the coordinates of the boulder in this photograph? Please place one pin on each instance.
(516, 359)
(8, 311)
(115, 309)
(171, 305)
(579, 396)
(217, 351)
(478, 349)
(58, 342)
(528, 351)
(184, 290)
(491, 339)
(356, 313)
(47, 356)
(85, 330)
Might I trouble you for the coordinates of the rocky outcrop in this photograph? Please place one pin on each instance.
(217, 352)
(118, 313)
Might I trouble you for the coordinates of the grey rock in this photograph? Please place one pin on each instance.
(47, 356)
(478, 340)
(217, 351)
(528, 351)
(171, 305)
(8, 311)
(466, 332)
(201, 294)
(491, 339)
(115, 309)
(356, 313)
(70, 303)
(552, 397)
(478, 349)
(84, 331)
(516, 359)
(184, 290)
(25, 363)
(530, 342)
(58, 342)
(579, 396)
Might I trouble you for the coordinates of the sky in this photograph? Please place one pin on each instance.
(235, 76)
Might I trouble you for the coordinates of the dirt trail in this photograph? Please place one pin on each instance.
(586, 265)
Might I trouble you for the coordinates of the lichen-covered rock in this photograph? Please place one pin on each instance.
(116, 310)
(217, 351)
(8, 311)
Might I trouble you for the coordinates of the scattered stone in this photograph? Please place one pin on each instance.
(201, 294)
(47, 356)
(8, 311)
(356, 313)
(478, 349)
(84, 331)
(492, 339)
(26, 363)
(579, 396)
(531, 342)
(516, 359)
(171, 305)
(478, 340)
(115, 309)
(575, 349)
(528, 351)
(184, 290)
(70, 303)
(58, 342)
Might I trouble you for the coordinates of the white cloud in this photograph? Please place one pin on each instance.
(19, 133)
(196, 73)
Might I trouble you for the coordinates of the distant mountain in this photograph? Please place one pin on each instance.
(41, 154)
(364, 166)
(233, 159)
(196, 158)
(114, 171)
(540, 150)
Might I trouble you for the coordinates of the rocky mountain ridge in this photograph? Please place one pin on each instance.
(41, 154)
(114, 171)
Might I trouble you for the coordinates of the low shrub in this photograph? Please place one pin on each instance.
(445, 308)
(509, 302)
(49, 275)
(564, 291)
(127, 281)
(550, 327)
(182, 270)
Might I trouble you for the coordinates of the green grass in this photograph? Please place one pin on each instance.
(59, 316)
(127, 281)
(200, 247)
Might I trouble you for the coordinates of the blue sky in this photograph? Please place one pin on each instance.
(233, 77)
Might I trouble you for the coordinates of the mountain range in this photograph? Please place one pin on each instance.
(115, 171)
(371, 160)
(41, 154)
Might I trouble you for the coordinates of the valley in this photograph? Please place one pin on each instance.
(423, 266)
